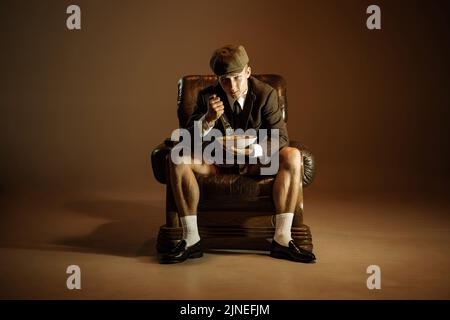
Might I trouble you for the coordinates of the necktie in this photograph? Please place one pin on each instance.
(236, 112)
(237, 108)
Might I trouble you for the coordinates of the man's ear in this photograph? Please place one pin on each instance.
(249, 72)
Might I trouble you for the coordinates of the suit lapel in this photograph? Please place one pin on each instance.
(248, 106)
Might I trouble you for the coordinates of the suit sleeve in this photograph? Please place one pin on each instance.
(273, 118)
(200, 110)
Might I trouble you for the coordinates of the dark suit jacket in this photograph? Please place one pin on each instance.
(261, 109)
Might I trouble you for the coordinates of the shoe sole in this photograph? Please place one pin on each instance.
(172, 261)
(279, 255)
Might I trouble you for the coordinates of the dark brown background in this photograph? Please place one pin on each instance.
(84, 109)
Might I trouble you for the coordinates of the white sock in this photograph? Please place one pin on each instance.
(190, 229)
(283, 224)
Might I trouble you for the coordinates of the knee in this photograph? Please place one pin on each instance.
(290, 158)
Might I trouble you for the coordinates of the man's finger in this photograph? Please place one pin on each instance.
(219, 107)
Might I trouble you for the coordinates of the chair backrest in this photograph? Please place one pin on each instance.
(189, 87)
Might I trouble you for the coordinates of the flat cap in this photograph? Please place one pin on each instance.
(228, 59)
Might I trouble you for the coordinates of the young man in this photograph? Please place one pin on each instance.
(244, 102)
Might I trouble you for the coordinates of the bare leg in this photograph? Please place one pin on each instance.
(286, 187)
(185, 187)
(285, 194)
(186, 195)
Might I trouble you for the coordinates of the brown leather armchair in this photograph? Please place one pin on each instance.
(231, 205)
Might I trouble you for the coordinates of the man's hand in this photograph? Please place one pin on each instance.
(215, 109)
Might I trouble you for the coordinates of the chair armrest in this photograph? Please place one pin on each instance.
(309, 166)
(159, 160)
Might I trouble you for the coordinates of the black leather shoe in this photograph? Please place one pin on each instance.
(181, 253)
(293, 252)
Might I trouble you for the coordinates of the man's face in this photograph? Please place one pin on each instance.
(235, 84)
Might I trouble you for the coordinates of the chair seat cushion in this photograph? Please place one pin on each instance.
(235, 192)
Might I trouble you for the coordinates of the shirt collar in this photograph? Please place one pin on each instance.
(241, 99)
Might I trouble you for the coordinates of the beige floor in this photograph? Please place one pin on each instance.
(111, 236)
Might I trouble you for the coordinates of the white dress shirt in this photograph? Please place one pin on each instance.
(256, 149)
